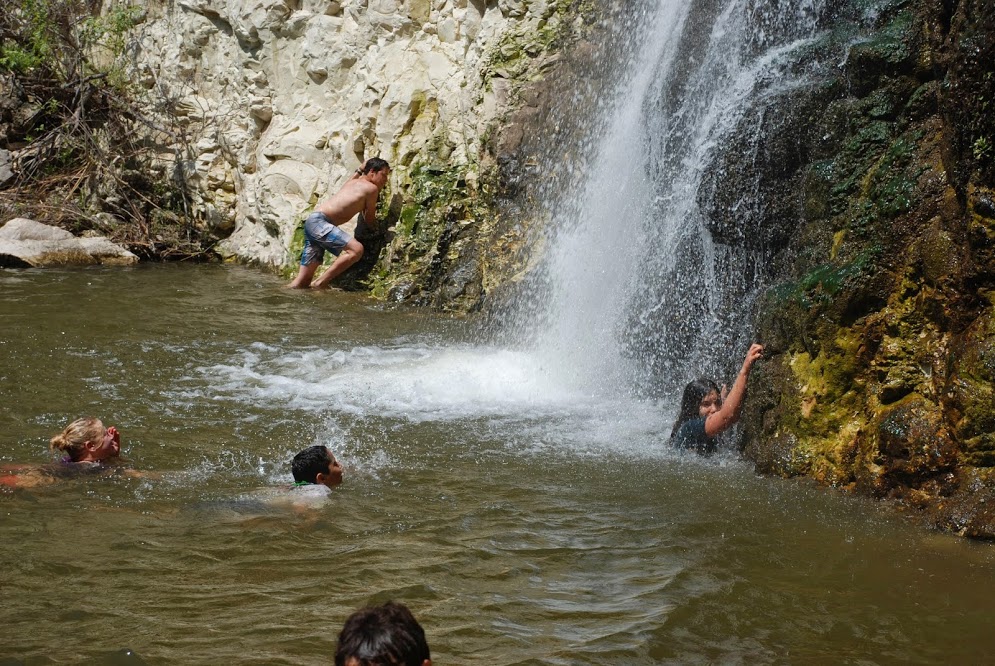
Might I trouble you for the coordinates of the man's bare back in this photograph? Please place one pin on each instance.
(358, 195)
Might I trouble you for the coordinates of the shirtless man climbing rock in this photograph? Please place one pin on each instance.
(321, 228)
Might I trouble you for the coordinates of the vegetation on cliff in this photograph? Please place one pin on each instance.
(77, 146)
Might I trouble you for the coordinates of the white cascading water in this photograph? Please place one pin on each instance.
(635, 284)
(599, 233)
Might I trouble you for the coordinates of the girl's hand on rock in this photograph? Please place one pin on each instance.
(756, 351)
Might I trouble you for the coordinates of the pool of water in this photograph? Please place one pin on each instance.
(523, 521)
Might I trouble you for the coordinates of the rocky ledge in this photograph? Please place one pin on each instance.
(25, 243)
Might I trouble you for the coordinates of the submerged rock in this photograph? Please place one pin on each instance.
(25, 243)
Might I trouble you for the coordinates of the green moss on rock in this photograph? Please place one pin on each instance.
(430, 256)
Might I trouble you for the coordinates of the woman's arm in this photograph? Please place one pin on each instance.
(28, 476)
(728, 414)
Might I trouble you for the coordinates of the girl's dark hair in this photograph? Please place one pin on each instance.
(387, 635)
(691, 401)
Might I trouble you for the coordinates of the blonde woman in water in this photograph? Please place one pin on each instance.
(87, 447)
(86, 440)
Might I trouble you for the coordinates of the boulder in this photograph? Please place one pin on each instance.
(25, 243)
(6, 170)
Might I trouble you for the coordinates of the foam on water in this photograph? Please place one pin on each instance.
(499, 394)
(410, 382)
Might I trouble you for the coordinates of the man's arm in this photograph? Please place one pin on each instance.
(358, 173)
(370, 212)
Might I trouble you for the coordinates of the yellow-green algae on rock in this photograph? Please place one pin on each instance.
(881, 368)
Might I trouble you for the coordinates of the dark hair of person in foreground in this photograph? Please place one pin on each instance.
(387, 635)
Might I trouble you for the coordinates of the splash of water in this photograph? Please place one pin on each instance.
(414, 382)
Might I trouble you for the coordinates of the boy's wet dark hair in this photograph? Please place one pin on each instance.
(373, 165)
(691, 401)
(309, 463)
(387, 635)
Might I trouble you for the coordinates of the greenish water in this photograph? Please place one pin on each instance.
(522, 521)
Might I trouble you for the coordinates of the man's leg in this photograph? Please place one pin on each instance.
(304, 275)
(349, 255)
(311, 255)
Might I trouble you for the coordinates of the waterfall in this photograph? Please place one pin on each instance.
(651, 264)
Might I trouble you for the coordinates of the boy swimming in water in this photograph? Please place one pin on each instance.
(315, 471)
(316, 465)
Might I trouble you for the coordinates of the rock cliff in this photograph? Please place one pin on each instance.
(278, 101)
(880, 324)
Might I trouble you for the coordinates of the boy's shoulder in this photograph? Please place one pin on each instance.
(311, 495)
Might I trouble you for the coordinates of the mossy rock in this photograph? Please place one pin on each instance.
(913, 443)
(970, 390)
(938, 255)
(886, 53)
(970, 509)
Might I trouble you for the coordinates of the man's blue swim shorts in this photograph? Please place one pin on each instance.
(320, 235)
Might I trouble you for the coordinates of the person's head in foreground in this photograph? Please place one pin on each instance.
(87, 440)
(387, 635)
(316, 465)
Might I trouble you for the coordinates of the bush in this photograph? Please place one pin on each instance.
(79, 132)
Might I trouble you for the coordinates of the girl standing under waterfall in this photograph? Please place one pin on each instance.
(706, 411)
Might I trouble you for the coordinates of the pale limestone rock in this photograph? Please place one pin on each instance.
(328, 7)
(261, 108)
(26, 243)
(296, 24)
(323, 49)
(282, 99)
(419, 11)
(252, 19)
(513, 8)
(194, 107)
(23, 229)
(6, 173)
(447, 30)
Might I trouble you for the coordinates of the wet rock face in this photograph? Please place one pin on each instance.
(279, 101)
(914, 447)
(969, 394)
(881, 370)
(750, 199)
